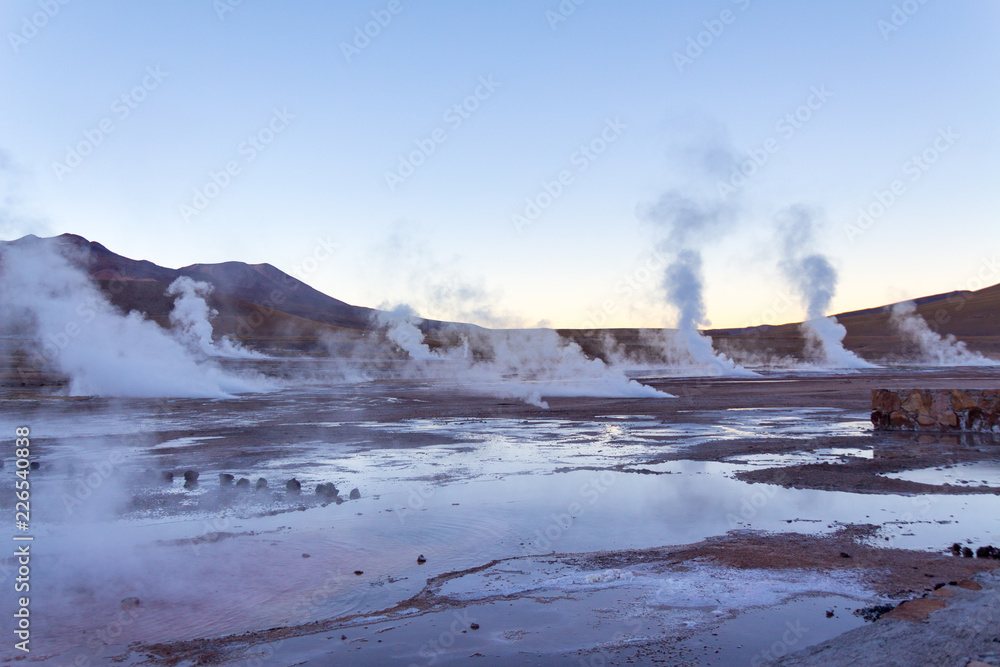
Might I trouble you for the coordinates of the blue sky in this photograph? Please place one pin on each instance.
(308, 129)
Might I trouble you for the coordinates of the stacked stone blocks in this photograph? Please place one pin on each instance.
(936, 410)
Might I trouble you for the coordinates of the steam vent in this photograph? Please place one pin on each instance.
(936, 410)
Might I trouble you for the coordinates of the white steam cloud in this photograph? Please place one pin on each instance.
(191, 320)
(814, 279)
(523, 364)
(80, 334)
(401, 328)
(686, 223)
(683, 282)
(931, 347)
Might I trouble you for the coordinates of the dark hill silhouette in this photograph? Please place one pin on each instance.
(263, 283)
(240, 289)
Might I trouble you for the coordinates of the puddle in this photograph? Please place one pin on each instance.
(251, 578)
(762, 635)
(832, 455)
(959, 474)
(553, 623)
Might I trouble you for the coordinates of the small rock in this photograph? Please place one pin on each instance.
(343, 637)
(225, 479)
(359, 572)
(474, 626)
(261, 483)
(421, 559)
(190, 476)
(844, 554)
(966, 552)
(293, 486)
(243, 483)
(355, 494)
(130, 603)
(167, 476)
(305, 556)
(34, 465)
(326, 489)
(829, 613)
(872, 614)
(988, 551)
(956, 549)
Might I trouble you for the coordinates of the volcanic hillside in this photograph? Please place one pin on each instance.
(265, 307)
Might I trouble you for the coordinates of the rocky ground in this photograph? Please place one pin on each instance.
(956, 625)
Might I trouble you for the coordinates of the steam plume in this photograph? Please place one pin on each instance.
(400, 326)
(685, 224)
(191, 321)
(526, 364)
(78, 333)
(814, 279)
(932, 348)
(683, 282)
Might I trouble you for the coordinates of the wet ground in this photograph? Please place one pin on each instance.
(588, 531)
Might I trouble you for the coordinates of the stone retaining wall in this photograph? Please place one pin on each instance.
(936, 409)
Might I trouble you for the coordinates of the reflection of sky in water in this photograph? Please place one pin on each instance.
(981, 473)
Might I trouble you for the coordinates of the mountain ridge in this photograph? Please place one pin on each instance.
(262, 303)
(261, 284)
